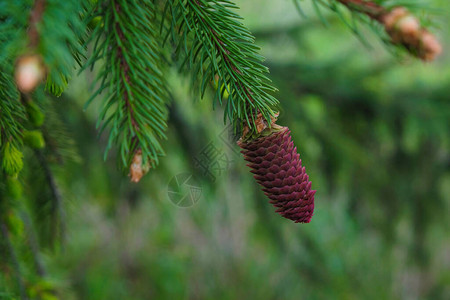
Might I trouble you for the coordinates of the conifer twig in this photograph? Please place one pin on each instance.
(221, 48)
(217, 44)
(402, 27)
(35, 18)
(12, 115)
(131, 80)
(371, 9)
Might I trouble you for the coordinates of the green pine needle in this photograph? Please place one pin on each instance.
(11, 117)
(213, 42)
(62, 48)
(130, 79)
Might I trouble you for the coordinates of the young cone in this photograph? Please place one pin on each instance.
(405, 29)
(278, 169)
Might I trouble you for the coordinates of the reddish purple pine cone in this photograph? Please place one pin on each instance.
(278, 168)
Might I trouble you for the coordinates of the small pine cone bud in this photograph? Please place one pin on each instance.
(409, 28)
(278, 168)
(391, 18)
(405, 29)
(138, 169)
(430, 47)
(29, 72)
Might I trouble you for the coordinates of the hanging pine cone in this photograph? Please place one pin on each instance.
(278, 168)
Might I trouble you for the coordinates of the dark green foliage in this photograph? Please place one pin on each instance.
(13, 25)
(130, 79)
(61, 48)
(11, 117)
(11, 111)
(215, 45)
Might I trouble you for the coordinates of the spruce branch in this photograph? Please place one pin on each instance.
(12, 116)
(371, 9)
(216, 43)
(218, 48)
(35, 18)
(13, 25)
(131, 80)
(401, 26)
(56, 33)
(47, 31)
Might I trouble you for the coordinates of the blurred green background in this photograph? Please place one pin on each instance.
(373, 133)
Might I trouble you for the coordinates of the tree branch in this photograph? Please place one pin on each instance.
(35, 18)
(401, 26)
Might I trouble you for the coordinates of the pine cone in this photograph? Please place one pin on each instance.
(278, 168)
